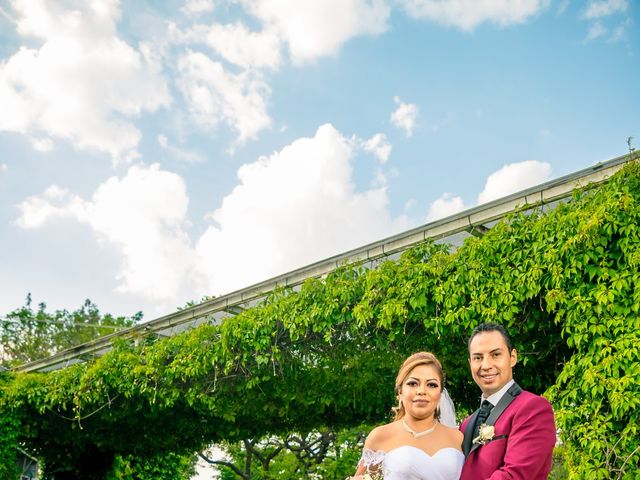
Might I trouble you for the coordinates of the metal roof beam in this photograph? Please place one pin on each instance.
(471, 220)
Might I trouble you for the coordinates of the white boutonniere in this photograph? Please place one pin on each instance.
(485, 434)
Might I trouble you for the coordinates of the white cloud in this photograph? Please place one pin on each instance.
(42, 144)
(54, 204)
(513, 178)
(238, 95)
(405, 116)
(509, 179)
(179, 153)
(289, 209)
(215, 95)
(444, 206)
(83, 83)
(141, 214)
(468, 14)
(598, 13)
(379, 146)
(163, 141)
(604, 8)
(409, 204)
(238, 45)
(596, 30)
(194, 8)
(313, 29)
(620, 32)
(562, 7)
(3, 168)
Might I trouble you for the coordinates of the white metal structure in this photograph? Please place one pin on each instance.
(453, 230)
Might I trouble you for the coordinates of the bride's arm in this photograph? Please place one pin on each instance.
(360, 470)
(371, 458)
(363, 471)
(369, 463)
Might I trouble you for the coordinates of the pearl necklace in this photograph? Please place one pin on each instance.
(418, 434)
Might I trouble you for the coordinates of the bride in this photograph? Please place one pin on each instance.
(418, 444)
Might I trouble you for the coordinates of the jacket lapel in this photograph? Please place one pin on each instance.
(505, 401)
(468, 433)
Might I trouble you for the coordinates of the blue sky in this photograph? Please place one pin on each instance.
(155, 152)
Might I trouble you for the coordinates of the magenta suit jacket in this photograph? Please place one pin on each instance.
(524, 437)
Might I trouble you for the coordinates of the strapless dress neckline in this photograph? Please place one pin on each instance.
(412, 463)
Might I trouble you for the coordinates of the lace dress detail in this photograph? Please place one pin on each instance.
(372, 458)
(411, 463)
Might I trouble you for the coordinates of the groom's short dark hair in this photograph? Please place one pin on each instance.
(491, 327)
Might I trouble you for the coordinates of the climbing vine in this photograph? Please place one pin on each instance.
(564, 281)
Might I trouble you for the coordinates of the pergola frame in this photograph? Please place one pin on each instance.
(453, 229)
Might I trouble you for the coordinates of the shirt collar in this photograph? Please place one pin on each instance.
(495, 398)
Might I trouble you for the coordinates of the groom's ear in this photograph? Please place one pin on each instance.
(514, 357)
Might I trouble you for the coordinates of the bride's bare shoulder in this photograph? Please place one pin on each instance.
(455, 435)
(379, 435)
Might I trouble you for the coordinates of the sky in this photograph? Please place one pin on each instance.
(156, 152)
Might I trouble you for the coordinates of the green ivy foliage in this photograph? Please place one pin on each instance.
(9, 433)
(170, 466)
(564, 281)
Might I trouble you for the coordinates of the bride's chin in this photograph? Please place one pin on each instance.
(420, 417)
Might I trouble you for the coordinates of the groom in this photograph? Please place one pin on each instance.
(512, 434)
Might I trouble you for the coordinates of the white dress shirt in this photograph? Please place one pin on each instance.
(495, 398)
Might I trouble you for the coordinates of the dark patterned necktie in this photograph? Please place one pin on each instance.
(483, 414)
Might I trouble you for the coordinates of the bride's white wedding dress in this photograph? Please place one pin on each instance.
(412, 463)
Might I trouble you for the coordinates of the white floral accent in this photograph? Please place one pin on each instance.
(485, 434)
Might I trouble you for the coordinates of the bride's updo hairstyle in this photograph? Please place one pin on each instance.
(420, 358)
